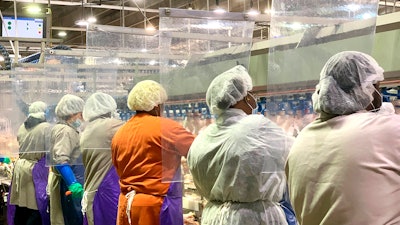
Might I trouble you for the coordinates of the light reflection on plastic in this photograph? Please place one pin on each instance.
(353, 7)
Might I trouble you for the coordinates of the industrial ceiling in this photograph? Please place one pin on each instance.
(64, 14)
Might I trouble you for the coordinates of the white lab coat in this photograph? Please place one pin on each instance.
(346, 170)
(237, 165)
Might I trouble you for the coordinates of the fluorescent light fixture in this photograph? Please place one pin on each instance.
(62, 34)
(150, 27)
(219, 10)
(269, 11)
(91, 19)
(253, 12)
(295, 26)
(81, 23)
(353, 7)
(152, 62)
(33, 9)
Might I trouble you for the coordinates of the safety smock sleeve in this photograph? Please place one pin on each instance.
(66, 140)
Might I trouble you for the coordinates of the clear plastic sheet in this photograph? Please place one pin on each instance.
(304, 35)
(114, 60)
(195, 47)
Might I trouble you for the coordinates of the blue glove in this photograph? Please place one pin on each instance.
(69, 178)
(5, 160)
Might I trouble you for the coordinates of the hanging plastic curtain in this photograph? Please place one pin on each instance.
(195, 47)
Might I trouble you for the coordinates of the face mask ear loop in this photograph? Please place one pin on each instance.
(373, 106)
(248, 104)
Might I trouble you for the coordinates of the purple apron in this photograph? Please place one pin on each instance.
(171, 209)
(10, 209)
(105, 203)
(40, 175)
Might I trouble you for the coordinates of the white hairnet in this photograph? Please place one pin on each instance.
(98, 104)
(346, 83)
(228, 88)
(146, 95)
(69, 105)
(37, 110)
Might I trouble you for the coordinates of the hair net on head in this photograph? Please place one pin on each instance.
(346, 83)
(69, 105)
(146, 95)
(98, 104)
(37, 110)
(228, 88)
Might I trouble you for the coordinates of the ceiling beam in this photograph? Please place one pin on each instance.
(86, 5)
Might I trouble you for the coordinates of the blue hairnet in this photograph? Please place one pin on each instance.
(346, 83)
(145, 95)
(98, 104)
(69, 105)
(37, 110)
(228, 88)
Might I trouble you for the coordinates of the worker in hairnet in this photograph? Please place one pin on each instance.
(238, 162)
(29, 179)
(67, 173)
(100, 199)
(146, 151)
(344, 166)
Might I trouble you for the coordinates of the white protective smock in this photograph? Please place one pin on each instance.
(346, 170)
(237, 165)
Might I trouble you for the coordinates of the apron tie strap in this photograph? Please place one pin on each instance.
(130, 197)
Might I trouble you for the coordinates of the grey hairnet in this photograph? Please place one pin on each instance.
(37, 110)
(228, 88)
(145, 95)
(69, 105)
(346, 83)
(98, 104)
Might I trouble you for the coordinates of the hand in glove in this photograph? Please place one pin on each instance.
(74, 187)
(5, 160)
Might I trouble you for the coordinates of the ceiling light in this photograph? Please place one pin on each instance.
(62, 34)
(150, 27)
(81, 23)
(253, 12)
(33, 9)
(219, 10)
(91, 19)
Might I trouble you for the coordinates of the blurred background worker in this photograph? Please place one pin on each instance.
(238, 162)
(146, 150)
(344, 167)
(29, 181)
(100, 199)
(66, 174)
